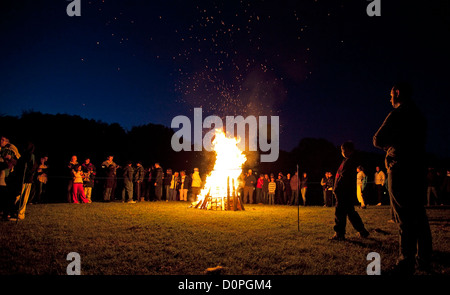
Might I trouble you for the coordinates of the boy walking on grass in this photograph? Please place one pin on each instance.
(345, 193)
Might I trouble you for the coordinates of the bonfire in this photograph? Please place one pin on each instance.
(220, 191)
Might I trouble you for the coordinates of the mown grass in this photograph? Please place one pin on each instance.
(160, 238)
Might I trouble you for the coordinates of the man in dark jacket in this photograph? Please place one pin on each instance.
(327, 184)
(295, 184)
(265, 189)
(403, 136)
(158, 182)
(287, 189)
(128, 173)
(166, 182)
(250, 182)
(139, 174)
(345, 193)
(110, 179)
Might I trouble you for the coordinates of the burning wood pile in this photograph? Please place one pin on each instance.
(232, 201)
(221, 187)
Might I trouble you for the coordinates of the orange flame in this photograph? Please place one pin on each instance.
(227, 168)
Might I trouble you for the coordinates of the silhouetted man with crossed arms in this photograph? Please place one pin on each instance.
(403, 136)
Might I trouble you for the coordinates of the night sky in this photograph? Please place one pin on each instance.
(324, 67)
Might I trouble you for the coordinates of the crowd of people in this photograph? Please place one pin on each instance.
(131, 182)
(134, 183)
(27, 183)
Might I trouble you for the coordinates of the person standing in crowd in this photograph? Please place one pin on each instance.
(110, 173)
(89, 178)
(265, 190)
(287, 188)
(361, 181)
(259, 189)
(272, 189)
(9, 155)
(138, 181)
(150, 183)
(380, 180)
(279, 192)
(77, 185)
(41, 181)
(26, 168)
(127, 191)
(249, 186)
(327, 186)
(71, 166)
(167, 181)
(158, 184)
(403, 136)
(345, 193)
(109, 167)
(294, 188)
(174, 186)
(432, 182)
(182, 186)
(304, 187)
(196, 184)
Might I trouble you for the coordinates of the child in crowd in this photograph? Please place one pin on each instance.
(272, 188)
(78, 185)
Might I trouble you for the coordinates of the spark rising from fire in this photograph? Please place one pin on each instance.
(227, 167)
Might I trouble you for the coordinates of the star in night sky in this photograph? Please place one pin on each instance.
(324, 67)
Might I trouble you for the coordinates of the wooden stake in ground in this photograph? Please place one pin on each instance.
(298, 200)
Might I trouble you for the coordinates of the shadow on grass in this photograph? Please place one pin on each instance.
(438, 220)
(442, 258)
(368, 242)
(374, 240)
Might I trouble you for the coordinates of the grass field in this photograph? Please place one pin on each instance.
(160, 238)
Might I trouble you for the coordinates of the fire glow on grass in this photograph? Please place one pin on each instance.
(227, 168)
